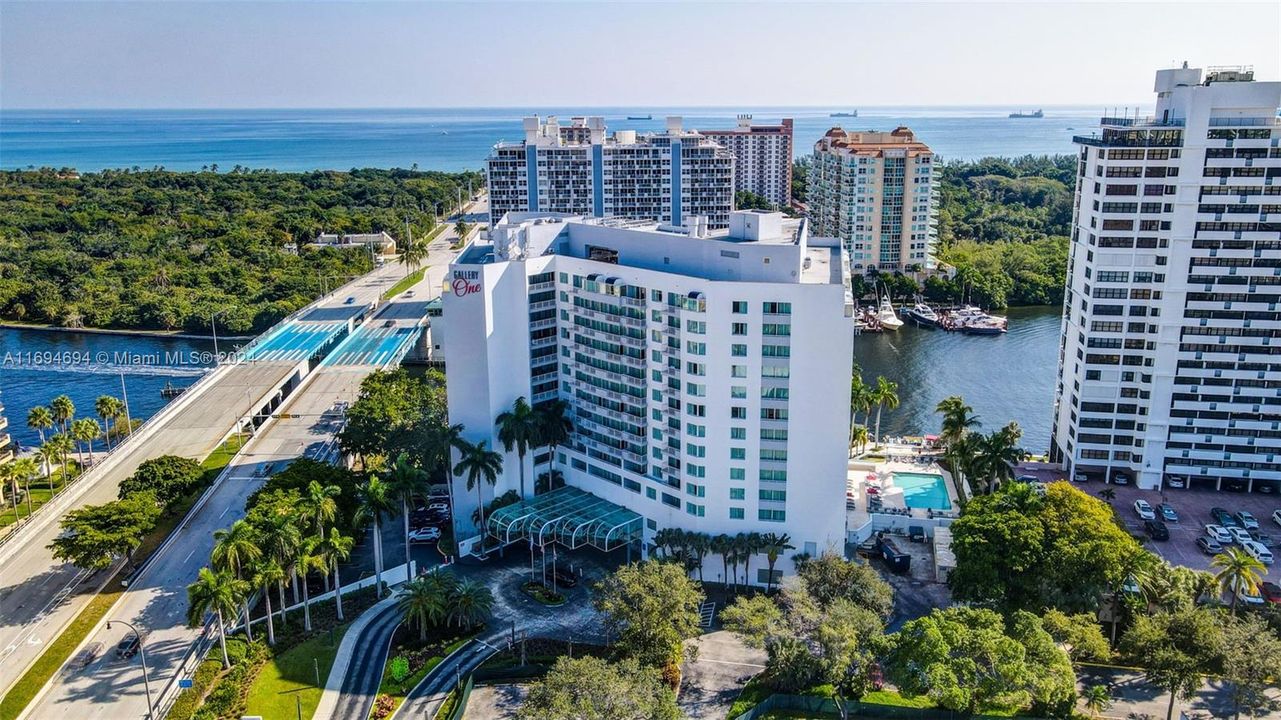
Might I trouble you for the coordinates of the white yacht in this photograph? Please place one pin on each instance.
(889, 319)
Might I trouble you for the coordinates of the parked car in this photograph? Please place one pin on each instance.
(438, 507)
(1276, 516)
(1080, 477)
(1270, 592)
(1248, 596)
(1223, 517)
(424, 535)
(1209, 546)
(1144, 510)
(129, 646)
(1178, 482)
(1156, 530)
(1120, 479)
(1266, 541)
(1247, 520)
(565, 577)
(1240, 536)
(1168, 513)
(1219, 534)
(1258, 552)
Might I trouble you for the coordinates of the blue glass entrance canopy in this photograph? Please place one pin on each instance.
(569, 516)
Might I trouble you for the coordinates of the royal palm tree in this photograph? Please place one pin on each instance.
(461, 228)
(9, 477)
(266, 573)
(425, 601)
(336, 548)
(108, 408)
(48, 454)
(723, 545)
(519, 428)
(479, 465)
(235, 550)
(65, 445)
(1238, 570)
(775, 545)
(413, 254)
(219, 593)
(310, 558)
(39, 418)
(25, 470)
(280, 537)
(320, 509)
(554, 429)
(753, 543)
(860, 399)
(470, 603)
(884, 395)
(548, 481)
(86, 430)
(63, 411)
(404, 482)
(698, 545)
(998, 453)
(376, 503)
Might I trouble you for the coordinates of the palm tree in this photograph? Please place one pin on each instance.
(470, 603)
(478, 463)
(39, 418)
(554, 429)
(425, 601)
(735, 555)
(235, 550)
(998, 453)
(9, 476)
(321, 509)
(337, 548)
(698, 544)
(519, 428)
(25, 470)
(723, 545)
(1238, 570)
(267, 572)
(404, 482)
(775, 545)
(958, 419)
(1108, 494)
(219, 593)
(108, 408)
(885, 394)
(461, 228)
(86, 430)
(375, 504)
(858, 438)
(1097, 699)
(548, 481)
(310, 557)
(860, 398)
(63, 410)
(48, 454)
(413, 254)
(279, 538)
(753, 543)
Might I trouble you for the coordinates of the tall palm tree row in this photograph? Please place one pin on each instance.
(404, 482)
(109, 409)
(85, 431)
(376, 503)
(519, 428)
(63, 411)
(235, 551)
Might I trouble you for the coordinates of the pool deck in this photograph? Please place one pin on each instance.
(883, 463)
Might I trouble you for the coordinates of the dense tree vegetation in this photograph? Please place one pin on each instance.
(170, 477)
(164, 250)
(589, 688)
(650, 609)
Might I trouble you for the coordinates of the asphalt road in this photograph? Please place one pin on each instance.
(157, 602)
(360, 687)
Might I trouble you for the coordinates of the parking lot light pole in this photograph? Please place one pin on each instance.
(142, 653)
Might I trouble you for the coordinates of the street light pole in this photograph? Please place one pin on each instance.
(213, 325)
(142, 653)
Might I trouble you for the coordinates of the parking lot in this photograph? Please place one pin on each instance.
(1193, 507)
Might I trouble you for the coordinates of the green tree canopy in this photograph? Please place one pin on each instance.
(1175, 649)
(94, 536)
(830, 577)
(1016, 550)
(652, 609)
(589, 688)
(170, 477)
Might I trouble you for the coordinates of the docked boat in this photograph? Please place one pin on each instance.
(970, 320)
(923, 315)
(985, 326)
(171, 391)
(886, 315)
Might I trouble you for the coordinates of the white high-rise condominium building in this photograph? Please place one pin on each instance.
(667, 177)
(1170, 370)
(762, 157)
(706, 372)
(875, 191)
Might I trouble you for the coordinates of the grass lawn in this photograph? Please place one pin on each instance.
(291, 677)
(41, 493)
(889, 697)
(57, 651)
(405, 283)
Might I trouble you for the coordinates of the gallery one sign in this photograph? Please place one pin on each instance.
(465, 282)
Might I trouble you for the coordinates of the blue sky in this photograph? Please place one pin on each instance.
(410, 54)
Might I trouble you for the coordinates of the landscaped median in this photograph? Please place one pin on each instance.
(409, 662)
(60, 649)
(405, 283)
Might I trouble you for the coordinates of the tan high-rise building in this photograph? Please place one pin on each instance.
(762, 157)
(875, 191)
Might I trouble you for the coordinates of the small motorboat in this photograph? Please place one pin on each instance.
(923, 315)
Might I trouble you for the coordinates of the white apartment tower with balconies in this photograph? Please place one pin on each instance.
(579, 169)
(1170, 368)
(876, 192)
(706, 372)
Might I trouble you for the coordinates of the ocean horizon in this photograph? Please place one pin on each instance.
(458, 138)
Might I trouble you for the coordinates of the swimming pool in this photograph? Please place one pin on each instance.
(923, 490)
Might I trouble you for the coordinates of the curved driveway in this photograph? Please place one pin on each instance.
(360, 686)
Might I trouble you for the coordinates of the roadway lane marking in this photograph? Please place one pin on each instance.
(193, 552)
